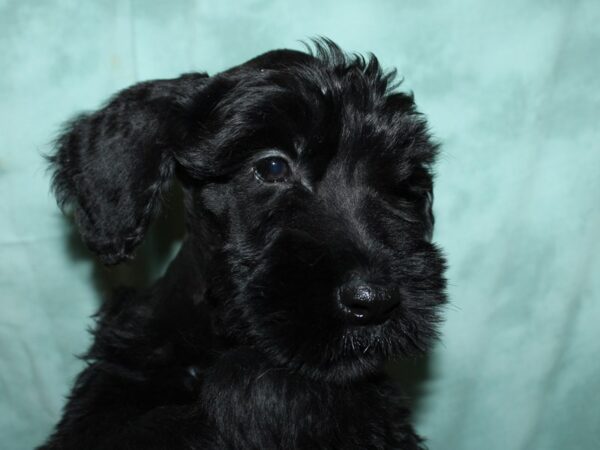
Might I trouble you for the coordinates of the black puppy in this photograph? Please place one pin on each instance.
(307, 261)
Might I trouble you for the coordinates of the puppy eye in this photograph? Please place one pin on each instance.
(272, 169)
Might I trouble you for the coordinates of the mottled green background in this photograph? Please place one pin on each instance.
(512, 89)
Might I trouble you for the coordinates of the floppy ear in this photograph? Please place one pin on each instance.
(110, 166)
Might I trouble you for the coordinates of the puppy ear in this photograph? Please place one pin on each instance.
(111, 166)
(421, 185)
(429, 217)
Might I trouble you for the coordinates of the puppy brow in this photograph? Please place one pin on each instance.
(299, 148)
(272, 151)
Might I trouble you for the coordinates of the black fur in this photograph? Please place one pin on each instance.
(243, 344)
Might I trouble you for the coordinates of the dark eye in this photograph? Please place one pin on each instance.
(272, 169)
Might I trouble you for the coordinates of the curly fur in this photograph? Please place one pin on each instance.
(241, 344)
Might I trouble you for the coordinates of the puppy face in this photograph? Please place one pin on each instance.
(324, 203)
(307, 179)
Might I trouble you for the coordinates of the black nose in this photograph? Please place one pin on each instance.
(361, 304)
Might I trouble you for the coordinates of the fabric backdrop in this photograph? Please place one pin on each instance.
(511, 88)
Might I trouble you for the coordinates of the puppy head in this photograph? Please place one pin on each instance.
(307, 184)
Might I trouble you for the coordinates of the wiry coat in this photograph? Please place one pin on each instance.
(243, 343)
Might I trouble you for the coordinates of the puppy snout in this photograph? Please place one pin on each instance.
(363, 304)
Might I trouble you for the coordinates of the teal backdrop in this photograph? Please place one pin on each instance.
(511, 89)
